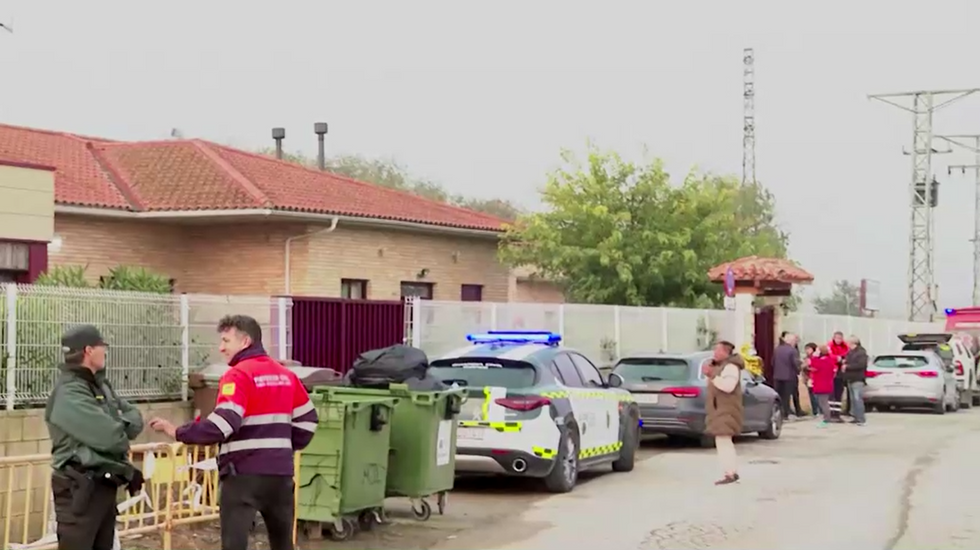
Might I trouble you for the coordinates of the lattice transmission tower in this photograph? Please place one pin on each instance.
(748, 116)
(923, 196)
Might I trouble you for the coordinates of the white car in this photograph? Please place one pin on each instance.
(911, 379)
(953, 353)
(537, 410)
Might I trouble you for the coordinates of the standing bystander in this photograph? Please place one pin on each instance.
(855, 371)
(811, 352)
(838, 349)
(263, 414)
(724, 409)
(823, 367)
(786, 371)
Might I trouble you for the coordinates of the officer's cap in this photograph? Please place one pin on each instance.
(82, 337)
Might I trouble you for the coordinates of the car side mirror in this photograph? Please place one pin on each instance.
(615, 380)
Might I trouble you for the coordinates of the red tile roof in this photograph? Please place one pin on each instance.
(199, 175)
(756, 269)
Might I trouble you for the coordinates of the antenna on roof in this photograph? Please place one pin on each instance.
(9, 27)
(176, 133)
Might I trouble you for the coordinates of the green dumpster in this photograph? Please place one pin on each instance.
(422, 462)
(342, 472)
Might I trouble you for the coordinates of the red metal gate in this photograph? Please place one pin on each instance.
(332, 332)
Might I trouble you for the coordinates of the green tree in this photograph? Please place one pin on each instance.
(387, 172)
(618, 232)
(844, 299)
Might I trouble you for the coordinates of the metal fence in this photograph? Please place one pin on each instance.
(607, 332)
(155, 339)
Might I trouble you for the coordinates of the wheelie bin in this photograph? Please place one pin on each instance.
(342, 473)
(422, 462)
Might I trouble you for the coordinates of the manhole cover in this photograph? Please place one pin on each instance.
(764, 461)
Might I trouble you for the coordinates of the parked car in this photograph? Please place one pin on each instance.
(911, 379)
(535, 409)
(670, 391)
(955, 354)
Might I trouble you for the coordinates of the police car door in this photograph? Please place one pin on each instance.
(604, 403)
(585, 415)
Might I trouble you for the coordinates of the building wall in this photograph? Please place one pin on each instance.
(23, 433)
(250, 258)
(544, 292)
(26, 203)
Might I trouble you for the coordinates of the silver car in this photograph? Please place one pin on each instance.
(911, 379)
(671, 391)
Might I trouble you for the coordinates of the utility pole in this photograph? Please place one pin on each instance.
(955, 140)
(921, 301)
(748, 116)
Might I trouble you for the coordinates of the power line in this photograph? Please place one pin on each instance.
(748, 116)
(955, 140)
(922, 291)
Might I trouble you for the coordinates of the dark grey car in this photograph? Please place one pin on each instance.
(671, 392)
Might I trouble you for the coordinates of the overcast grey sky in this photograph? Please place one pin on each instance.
(481, 96)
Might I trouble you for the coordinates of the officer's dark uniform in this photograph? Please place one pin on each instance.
(90, 428)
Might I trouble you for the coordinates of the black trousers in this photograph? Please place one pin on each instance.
(796, 398)
(785, 390)
(85, 510)
(840, 389)
(242, 496)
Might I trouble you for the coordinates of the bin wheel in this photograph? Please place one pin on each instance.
(368, 519)
(423, 511)
(442, 501)
(343, 529)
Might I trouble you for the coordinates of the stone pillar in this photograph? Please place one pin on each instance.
(744, 319)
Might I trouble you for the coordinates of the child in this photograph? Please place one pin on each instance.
(823, 367)
(810, 350)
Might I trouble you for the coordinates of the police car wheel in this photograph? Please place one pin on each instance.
(631, 440)
(564, 473)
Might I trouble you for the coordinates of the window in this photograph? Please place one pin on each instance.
(422, 290)
(354, 289)
(471, 293)
(654, 369)
(587, 370)
(569, 375)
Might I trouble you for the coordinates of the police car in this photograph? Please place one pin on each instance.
(538, 410)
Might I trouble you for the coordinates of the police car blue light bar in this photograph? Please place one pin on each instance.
(950, 311)
(515, 337)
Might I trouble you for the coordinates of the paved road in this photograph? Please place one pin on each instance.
(905, 481)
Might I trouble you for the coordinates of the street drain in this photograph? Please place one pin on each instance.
(764, 461)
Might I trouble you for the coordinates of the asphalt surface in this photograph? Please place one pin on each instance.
(905, 481)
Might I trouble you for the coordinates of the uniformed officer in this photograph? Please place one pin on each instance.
(90, 428)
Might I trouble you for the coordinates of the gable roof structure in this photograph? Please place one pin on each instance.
(196, 175)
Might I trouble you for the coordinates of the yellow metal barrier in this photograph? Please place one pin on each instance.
(181, 488)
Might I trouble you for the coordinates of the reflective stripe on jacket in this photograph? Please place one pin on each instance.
(262, 415)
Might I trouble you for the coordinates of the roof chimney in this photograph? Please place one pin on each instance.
(320, 129)
(279, 134)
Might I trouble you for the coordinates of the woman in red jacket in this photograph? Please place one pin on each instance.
(823, 368)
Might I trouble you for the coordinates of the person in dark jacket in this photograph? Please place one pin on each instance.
(855, 372)
(786, 371)
(90, 428)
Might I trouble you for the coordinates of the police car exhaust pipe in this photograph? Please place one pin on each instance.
(519, 465)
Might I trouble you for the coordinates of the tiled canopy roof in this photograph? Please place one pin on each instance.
(181, 175)
(756, 269)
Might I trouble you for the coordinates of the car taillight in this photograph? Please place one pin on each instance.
(927, 374)
(685, 392)
(959, 368)
(525, 403)
(871, 373)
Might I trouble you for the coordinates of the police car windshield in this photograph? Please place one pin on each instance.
(474, 373)
(649, 369)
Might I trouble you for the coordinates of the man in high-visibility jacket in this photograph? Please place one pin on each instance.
(262, 415)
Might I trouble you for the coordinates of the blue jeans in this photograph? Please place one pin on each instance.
(857, 401)
(814, 403)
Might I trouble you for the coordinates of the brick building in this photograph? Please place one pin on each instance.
(220, 220)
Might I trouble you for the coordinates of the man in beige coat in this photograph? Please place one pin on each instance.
(724, 406)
